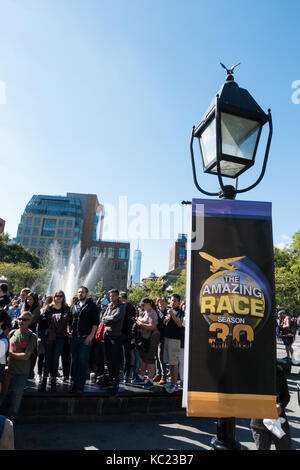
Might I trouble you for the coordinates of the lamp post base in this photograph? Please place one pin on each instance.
(225, 439)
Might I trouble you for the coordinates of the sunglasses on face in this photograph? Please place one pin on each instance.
(59, 295)
(23, 319)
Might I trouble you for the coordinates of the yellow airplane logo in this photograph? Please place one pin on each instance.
(220, 263)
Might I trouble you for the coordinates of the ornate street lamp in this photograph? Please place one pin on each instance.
(229, 135)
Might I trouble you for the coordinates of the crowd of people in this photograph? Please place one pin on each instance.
(110, 340)
(286, 329)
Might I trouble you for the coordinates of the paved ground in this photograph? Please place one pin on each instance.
(150, 432)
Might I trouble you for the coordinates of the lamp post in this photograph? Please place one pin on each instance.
(228, 137)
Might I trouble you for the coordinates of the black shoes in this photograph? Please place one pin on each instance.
(53, 384)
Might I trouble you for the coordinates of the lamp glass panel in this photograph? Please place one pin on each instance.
(228, 168)
(239, 135)
(207, 142)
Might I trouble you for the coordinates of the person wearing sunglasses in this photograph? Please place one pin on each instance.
(22, 345)
(53, 331)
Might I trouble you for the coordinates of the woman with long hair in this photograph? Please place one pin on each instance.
(40, 347)
(53, 330)
(32, 305)
(147, 323)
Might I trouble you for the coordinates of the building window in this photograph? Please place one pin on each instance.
(42, 242)
(65, 253)
(27, 230)
(182, 252)
(61, 223)
(67, 244)
(111, 252)
(95, 251)
(68, 233)
(34, 242)
(35, 231)
(25, 241)
(49, 226)
(69, 223)
(122, 253)
(37, 221)
(29, 221)
(59, 233)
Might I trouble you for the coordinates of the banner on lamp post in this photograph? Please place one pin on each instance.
(230, 345)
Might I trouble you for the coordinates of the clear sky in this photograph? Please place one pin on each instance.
(100, 96)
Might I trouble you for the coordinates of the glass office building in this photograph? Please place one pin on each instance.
(49, 218)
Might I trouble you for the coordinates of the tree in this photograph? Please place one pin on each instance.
(151, 288)
(98, 290)
(16, 253)
(179, 287)
(287, 275)
(23, 275)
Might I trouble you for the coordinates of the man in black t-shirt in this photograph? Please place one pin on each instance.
(84, 321)
(173, 335)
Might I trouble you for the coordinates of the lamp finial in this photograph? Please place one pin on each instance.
(230, 71)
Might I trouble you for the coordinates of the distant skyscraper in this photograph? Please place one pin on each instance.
(136, 270)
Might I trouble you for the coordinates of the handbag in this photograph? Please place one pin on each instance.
(143, 344)
(99, 337)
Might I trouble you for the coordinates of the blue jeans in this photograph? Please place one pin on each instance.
(14, 396)
(80, 353)
(52, 353)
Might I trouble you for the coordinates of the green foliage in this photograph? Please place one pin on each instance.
(16, 253)
(179, 287)
(156, 287)
(98, 290)
(23, 275)
(287, 275)
(151, 288)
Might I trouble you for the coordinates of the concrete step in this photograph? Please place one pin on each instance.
(94, 404)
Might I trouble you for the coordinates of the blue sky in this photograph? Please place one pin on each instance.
(101, 97)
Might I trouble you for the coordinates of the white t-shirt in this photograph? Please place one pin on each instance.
(3, 349)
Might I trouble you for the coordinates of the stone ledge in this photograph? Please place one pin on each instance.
(63, 408)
